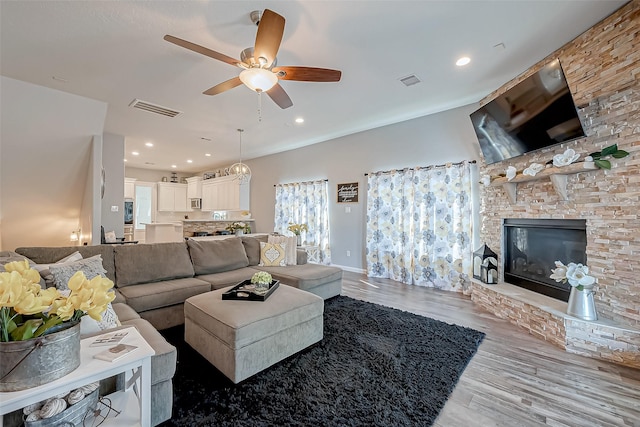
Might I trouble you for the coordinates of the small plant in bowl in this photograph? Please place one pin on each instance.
(261, 280)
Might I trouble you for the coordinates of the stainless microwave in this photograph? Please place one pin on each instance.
(195, 203)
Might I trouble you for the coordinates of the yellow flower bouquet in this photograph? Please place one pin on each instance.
(297, 228)
(28, 311)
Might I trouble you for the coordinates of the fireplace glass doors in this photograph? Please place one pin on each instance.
(531, 247)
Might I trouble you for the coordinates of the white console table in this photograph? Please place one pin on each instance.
(137, 369)
(313, 253)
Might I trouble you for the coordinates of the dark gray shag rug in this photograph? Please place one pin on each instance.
(376, 366)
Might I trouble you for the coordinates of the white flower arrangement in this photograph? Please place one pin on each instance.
(511, 173)
(261, 278)
(576, 274)
(533, 169)
(485, 180)
(566, 158)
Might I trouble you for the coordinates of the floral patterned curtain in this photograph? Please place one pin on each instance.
(305, 203)
(419, 226)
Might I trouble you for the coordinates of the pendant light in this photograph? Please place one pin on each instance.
(240, 170)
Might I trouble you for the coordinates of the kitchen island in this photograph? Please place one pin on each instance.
(162, 232)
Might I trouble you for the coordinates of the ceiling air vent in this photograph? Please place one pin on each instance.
(410, 80)
(153, 108)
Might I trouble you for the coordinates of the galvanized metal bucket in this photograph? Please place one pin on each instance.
(30, 363)
(73, 416)
(581, 304)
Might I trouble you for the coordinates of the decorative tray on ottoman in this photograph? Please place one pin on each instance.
(245, 290)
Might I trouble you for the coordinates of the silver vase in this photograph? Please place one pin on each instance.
(581, 304)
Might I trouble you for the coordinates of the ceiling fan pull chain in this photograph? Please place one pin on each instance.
(260, 107)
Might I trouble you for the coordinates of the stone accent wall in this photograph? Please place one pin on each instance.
(602, 67)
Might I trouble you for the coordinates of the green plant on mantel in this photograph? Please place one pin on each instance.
(612, 150)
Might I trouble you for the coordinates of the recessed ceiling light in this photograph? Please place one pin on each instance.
(208, 154)
(299, 120)
(463, 61)
(135, 153)
(149, 144)
(174, 166)
(189, 161)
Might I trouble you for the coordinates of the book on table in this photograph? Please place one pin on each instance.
(111, 338)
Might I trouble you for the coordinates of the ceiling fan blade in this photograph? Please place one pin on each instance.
(279, 96)
(219, 88)
(308, 74)
(269, 36)
(202, 50)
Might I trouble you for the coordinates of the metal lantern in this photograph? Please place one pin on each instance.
(485, 265)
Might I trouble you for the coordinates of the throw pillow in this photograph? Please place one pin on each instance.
(89, 326)
(290, 242)
(272, 255)
(91, 267)
(45, 271)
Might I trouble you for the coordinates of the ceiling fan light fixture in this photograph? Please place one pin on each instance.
(258, 79)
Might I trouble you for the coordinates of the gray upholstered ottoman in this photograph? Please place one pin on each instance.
(241, 338)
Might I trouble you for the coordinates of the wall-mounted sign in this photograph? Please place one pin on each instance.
(348, 193)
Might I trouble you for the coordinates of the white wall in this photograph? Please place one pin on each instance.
(46, 138)
(91, 210)
(431, 140)
(113, 163)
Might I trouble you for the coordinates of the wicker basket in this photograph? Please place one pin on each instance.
(70, 417)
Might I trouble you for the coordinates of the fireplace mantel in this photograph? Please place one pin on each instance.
(557, 175)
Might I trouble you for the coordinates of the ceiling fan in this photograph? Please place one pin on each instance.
(258, 63)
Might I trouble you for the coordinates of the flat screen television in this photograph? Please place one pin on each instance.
(538, 112)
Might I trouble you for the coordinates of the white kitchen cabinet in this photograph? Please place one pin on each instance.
(224, 194)
(209, 195)
(194, 187)
(172, 197)
(129, 188)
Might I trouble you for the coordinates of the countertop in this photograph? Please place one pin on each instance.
(218, 220)
(226, 236)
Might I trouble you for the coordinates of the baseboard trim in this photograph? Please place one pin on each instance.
(351, 269)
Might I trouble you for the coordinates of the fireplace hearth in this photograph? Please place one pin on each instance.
(531, 247)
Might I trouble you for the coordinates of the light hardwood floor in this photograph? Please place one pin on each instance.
(514, 379)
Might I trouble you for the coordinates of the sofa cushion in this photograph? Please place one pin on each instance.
(162, 294)
(136, 264)
(125, 312)
(228, 278)
(215, 256)
(252, 248)
(304, 277)
(163, 363)
(49, 255)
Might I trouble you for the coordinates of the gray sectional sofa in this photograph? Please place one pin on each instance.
(152, 281)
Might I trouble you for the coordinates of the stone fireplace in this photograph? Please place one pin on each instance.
(602, 67)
